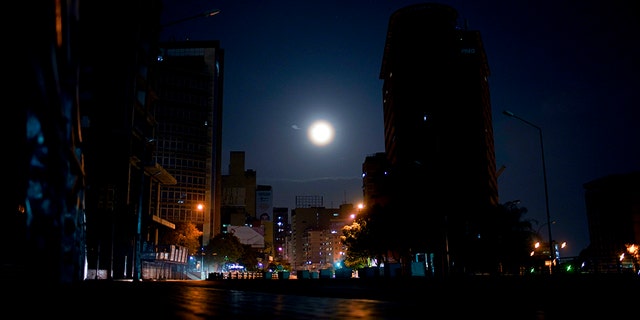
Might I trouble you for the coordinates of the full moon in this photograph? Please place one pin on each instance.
(321, 133)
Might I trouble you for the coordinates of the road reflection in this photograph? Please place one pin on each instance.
(515, 298)
(208, 303)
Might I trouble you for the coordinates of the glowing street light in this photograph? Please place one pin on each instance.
(544, 174)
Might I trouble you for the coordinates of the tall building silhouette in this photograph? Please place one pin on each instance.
(438, 134)
(188, 80)
(238, 193)
(282, 230)
(375, 189)
(117, 109)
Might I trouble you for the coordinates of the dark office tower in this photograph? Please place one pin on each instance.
(438, 135)
(374, 176)
(239, 190)
(188, 81)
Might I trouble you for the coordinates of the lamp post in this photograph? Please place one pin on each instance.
(202, 264)
(200, 208)
(145, 153)
(546, 189)
(206, 14)
(544, 225)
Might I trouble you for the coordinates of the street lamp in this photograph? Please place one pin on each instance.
(206, 14)
(202, 263)
(359, 207)
(544, 174)
(202, 253)
(544, 225)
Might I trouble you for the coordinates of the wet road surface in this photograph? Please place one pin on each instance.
(325, 299)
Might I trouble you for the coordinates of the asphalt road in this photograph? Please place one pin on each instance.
(401, 298)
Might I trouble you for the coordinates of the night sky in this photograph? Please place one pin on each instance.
(569, 67)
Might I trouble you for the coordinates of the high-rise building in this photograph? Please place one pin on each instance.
(264, 203)
(438, 133)
(282, 230)
(238, 207)
(315, 236)
(117, 109)
(188, 79)
(374, 175)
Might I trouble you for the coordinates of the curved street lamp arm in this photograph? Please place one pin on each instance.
(206, 14)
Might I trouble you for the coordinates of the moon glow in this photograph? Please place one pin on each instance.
(321, 133)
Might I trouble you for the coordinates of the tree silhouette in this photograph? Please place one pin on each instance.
(185, 234)
(501, 242)
(224, 248)
(511, 237)
(368, 237)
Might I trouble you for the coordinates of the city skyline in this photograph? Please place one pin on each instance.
(567, 69)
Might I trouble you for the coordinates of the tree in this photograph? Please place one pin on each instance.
(510, 237)
(279, 265)
(501, 240)
(268, 249)
(249, 258)
(224, 248)
(185, 234)
(367, 238)
(357, 256)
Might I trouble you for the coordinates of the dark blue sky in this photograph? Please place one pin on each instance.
(570, 67)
